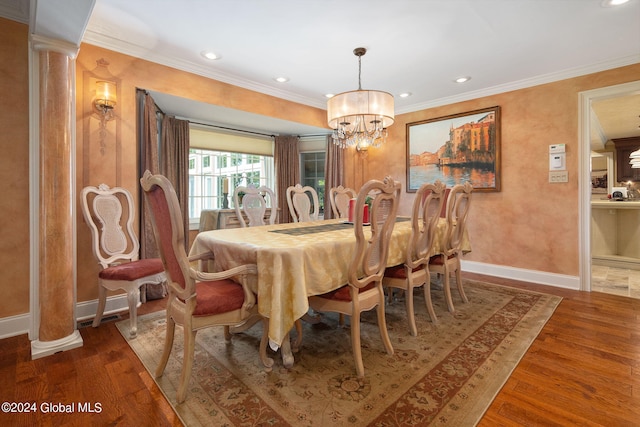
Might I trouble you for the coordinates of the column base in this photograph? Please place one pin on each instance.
(46, 348)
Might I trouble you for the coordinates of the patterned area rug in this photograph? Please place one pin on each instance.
(447, 375)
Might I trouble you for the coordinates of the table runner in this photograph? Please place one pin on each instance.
(323, 228)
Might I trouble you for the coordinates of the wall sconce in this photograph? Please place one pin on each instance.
(105, 99)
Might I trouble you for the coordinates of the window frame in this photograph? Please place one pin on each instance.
(319, 176)
(240, 169)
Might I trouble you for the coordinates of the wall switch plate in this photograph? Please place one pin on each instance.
(558, 176)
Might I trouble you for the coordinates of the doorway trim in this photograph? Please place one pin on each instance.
(584, 181)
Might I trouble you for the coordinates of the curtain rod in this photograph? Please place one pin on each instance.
(255, 133)
(228, 128)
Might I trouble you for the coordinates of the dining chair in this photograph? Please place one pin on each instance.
(363, 291)
(414, 272)
(254, 205)
(458, 204)
(109, 213)
(339, 198)
(197, 299)
(303, 203)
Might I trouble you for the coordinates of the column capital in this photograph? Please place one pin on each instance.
(39, 43)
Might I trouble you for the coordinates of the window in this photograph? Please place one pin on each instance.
(312, 173)
(206, 181)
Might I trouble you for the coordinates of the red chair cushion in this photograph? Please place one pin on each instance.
(133, 270)
(437, 259)
(220, 296)
(399, 272)
(343, 294)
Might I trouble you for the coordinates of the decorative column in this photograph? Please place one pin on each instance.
(56, 292)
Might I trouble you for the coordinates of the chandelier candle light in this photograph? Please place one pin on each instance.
(360, 117)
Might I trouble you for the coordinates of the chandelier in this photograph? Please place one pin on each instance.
(360, 117)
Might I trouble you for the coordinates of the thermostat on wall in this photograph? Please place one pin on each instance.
(556, 148)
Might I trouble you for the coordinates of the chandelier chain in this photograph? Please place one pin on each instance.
(359, 72)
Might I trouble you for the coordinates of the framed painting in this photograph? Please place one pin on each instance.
(455, 149)
(601, 168)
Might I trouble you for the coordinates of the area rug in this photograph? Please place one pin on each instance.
(446, 376)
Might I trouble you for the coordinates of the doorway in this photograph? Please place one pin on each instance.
(585, 119)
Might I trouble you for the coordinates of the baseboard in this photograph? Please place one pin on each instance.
(14, 325)
(115, 304)
(616, 262)
(20, 324)
(533, 276)
(17, 325)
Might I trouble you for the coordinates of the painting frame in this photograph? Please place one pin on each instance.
(601, 174)
(454, 149)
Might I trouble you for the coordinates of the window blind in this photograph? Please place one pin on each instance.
(230, 142)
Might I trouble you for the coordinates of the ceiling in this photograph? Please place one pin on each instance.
(413, 46)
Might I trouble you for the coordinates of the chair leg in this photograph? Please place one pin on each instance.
(447, 291)
(143, 293)
(287, 354)
(382, 325)
(428, 302)
(298, 342)
(168, 345)
(102, 302)
(459, 283)
(187, 363)
(355, 344)
(411, 317)
(133, 298)
(264, 342)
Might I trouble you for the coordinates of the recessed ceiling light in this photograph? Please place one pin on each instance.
(281, 79)
(462, 79)
(405, 94)
(209, 55)
(329, 95)
(613, 3)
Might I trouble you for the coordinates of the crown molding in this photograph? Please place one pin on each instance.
(136, 51)
(127, 48)
(525, 83)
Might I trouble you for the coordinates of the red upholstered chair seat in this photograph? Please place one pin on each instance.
(343, 294)
(439, 259)
(399, 272)
(133, 270)
(220, 296)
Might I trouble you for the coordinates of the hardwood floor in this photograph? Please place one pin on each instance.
(103, 371)
(583, 369)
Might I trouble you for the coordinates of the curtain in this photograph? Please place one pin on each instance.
(148, 142)
(174, 163)
(333, 173)
(286, 159)
(167, 155)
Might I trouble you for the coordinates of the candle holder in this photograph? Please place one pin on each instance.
(225, 202)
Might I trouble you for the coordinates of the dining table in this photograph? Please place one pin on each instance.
(297, 260)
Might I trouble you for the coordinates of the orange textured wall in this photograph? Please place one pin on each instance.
(14, 168)
(112, 158)
(530, 224)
